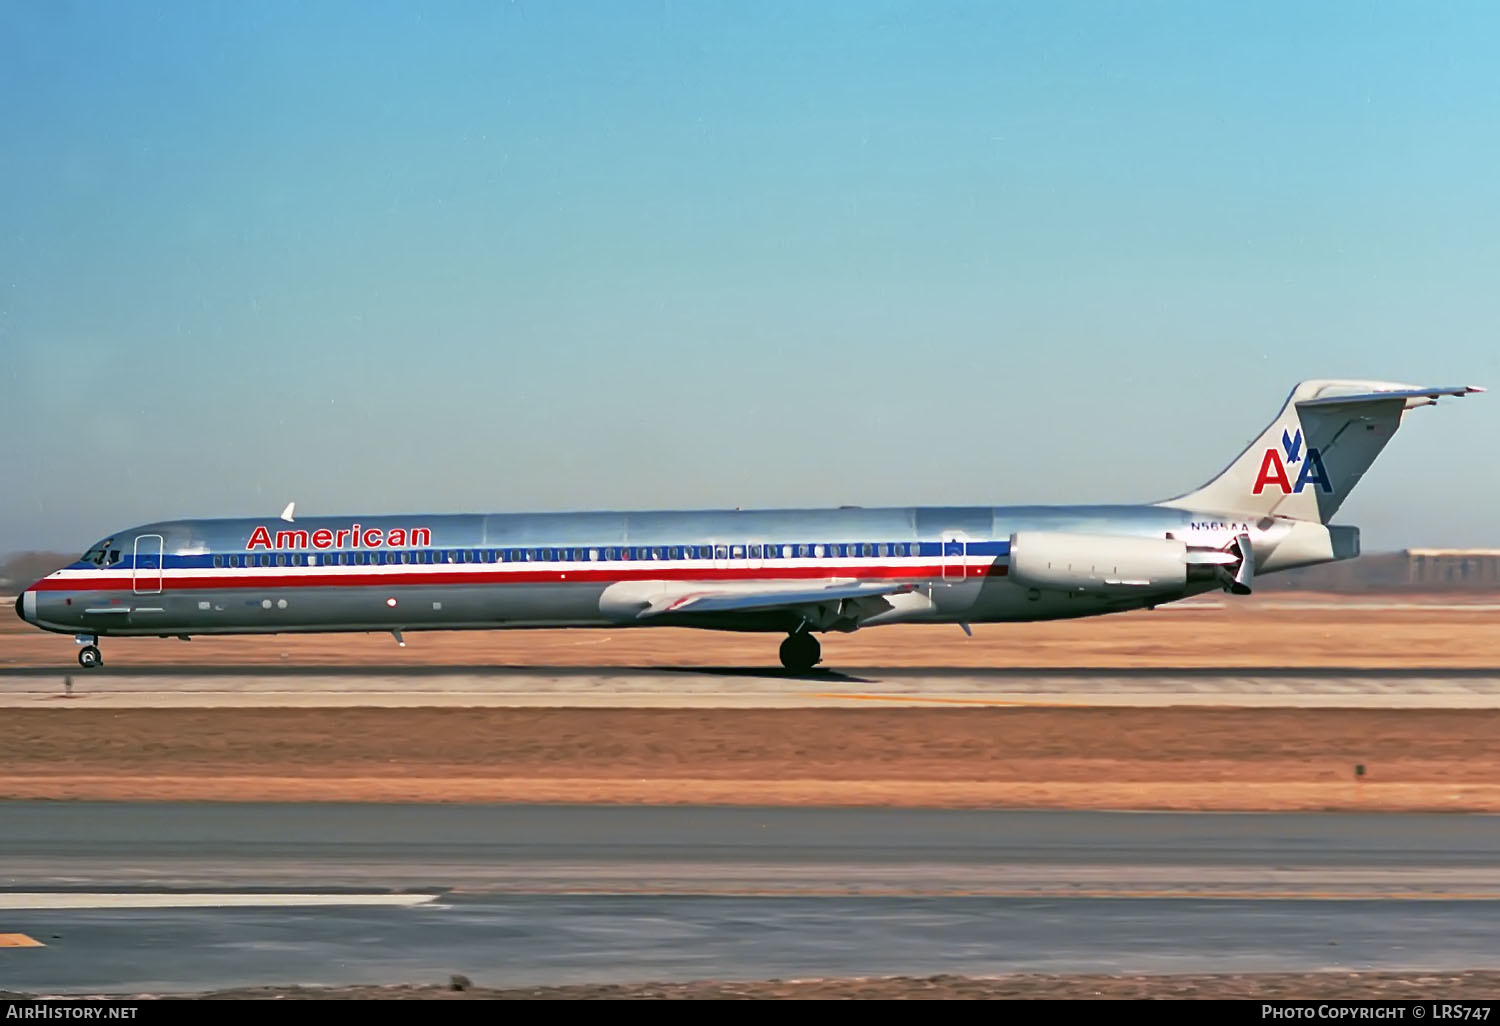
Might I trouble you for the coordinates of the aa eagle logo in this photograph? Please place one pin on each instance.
(1273, 469)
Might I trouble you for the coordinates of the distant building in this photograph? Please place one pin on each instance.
(1453, 567)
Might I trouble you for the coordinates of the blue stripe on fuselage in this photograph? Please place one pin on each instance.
(638, 553)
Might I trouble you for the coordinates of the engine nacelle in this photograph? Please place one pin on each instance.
(1097, 562)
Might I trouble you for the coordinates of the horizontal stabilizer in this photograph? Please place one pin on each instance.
(1429, 396)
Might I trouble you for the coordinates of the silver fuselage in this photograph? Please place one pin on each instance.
(449, 572)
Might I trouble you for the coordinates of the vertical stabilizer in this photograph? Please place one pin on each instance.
(1308, 460)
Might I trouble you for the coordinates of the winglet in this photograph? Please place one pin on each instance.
(286, 514)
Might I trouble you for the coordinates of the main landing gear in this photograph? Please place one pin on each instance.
(88, 655)
(800, 651)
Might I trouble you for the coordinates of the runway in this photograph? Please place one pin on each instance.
(539, 895)
(748, 687)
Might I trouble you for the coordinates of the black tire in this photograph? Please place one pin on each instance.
(800, 652)
(89, 657)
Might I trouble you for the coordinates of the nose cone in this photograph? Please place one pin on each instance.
(26, 605)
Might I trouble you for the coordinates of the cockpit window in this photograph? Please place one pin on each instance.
(100, 554)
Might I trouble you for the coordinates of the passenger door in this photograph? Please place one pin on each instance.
(146, 573)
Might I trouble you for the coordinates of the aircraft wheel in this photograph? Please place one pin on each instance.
(800, 652)
(89, 657)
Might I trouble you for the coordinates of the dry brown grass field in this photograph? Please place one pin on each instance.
(1101, 758)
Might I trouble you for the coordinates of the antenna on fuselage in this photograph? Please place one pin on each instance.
(286, 514)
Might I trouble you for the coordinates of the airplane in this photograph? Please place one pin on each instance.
(797, 572)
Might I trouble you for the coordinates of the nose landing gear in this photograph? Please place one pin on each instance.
(89, 656)
(800, 651)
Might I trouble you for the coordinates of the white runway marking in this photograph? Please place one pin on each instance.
(14, 901)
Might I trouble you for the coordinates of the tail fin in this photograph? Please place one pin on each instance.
(1312, 455)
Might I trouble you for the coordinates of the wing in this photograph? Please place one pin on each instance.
(739, 600)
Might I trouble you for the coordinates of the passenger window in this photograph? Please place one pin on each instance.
(869, 550)
(802, 551)
(737, 552)
(818, 551)
(218, 561)
(721, 551)
(885, 550)
(755, 552)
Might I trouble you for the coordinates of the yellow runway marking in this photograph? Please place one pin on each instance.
(19, 940)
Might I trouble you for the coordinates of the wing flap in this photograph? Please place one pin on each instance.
(719, 600)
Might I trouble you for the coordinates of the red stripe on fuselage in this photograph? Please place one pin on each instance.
(311, 577)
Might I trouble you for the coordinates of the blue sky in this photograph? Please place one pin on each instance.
(382, 257)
